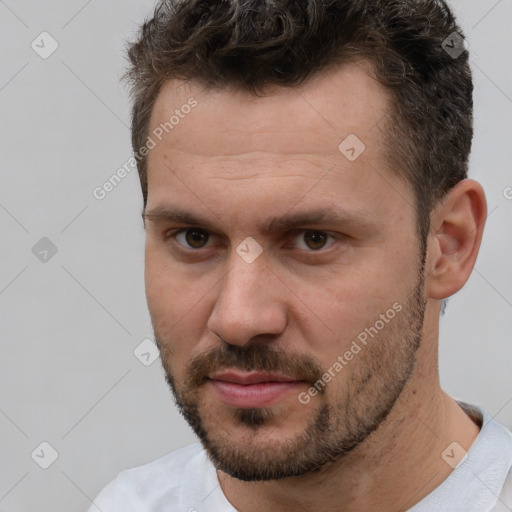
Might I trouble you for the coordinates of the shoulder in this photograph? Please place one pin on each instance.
(149, 487)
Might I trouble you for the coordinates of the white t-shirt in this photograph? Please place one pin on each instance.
(186, 480)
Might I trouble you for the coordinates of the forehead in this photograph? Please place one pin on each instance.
(222, 146)
(314, 117)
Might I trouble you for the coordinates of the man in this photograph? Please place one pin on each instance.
(307, 209)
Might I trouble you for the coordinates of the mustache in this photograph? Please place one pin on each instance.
(252, 357)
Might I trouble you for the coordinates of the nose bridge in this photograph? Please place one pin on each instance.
(247, 304)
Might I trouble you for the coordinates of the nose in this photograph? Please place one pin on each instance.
(250, 303)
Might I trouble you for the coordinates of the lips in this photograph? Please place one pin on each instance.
(252, 389)
(246, 379)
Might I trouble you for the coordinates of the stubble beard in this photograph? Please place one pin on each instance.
(339, 423)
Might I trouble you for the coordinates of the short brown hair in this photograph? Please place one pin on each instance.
(250, 44)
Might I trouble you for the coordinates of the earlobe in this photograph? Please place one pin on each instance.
(457, 225)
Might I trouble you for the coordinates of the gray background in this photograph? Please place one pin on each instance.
(70, 325)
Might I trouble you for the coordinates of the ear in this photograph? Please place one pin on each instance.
(457, 225)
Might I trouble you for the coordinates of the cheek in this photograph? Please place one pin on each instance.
(169, 293)
(179, 306)
(166, 301)
(334, 311)
(337, 304)
(160, 288)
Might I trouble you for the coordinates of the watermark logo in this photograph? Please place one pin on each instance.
(44, 250)
(352, 147)
(454, 455)
(454, 45)
(146, 352)
(249, 250)
(44, 45)
(44, 455)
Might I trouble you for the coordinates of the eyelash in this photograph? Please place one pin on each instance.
(173, 235)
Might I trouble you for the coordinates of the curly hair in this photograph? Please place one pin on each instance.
(250, 44)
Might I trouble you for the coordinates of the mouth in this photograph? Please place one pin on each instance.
(253, 389)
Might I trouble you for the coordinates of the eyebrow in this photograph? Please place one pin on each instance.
(278, 224)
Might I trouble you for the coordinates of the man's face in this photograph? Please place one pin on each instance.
(328, 289)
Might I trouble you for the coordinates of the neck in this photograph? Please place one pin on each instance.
(393, 469)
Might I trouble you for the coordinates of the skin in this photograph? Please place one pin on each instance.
(237, 161)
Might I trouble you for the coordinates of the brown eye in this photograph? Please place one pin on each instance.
(193, 238)
(315, 240)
